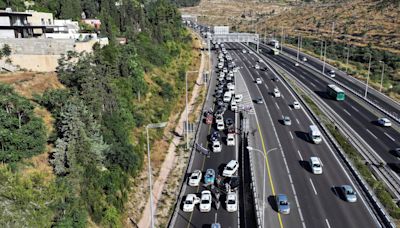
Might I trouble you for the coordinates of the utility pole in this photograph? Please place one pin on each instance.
(369, 70)
(383, 70)
(298, 47)
(347, 59)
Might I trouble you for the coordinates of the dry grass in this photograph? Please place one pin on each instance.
(139, 190)
(30, 83)
(39, 164)
(47, 119)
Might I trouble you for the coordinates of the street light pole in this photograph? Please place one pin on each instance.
(322, 48)
(383, 70)
(347, 59)
(323, 66)
(158, 125)
(265, 158)
(298, 47)
(369, 69)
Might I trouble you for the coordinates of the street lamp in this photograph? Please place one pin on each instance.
(369, 70)
(187, 112)
(265, 158)
(151, 126)
(347, 59)
(383, 70)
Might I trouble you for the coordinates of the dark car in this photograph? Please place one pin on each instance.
(218, 95)
(258, 100)
(229, 122)
(220, 102)
(215, 136)
(396, 152)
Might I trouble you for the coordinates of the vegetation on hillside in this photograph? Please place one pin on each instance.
(94, 153)
(22, 133)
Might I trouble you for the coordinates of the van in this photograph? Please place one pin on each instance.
(220, 65)
(227, 96)
(238, 98)
(230, 86)
(315, 134)
(316, 165)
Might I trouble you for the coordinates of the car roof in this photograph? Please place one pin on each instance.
(232, 162)
(206, 192)
(231, 195)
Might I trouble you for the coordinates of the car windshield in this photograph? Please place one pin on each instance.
(283, 203)
(231, 201)
(188, 202)
(205, 201)
(350, 192)
(195, 176)
(317, 165)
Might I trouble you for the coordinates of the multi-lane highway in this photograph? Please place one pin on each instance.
(314, 198)
(361, 117)
(376, 97)
(216, 161)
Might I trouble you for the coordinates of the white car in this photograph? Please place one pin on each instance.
(296, 105)
(305, 59)
(221, 74)
(230, 139)
(244, 51)
(258, 80)
(385, 122)
(219, 119)
(216, 146)
(230, 86)
(220, 65)
(331, 73)
(189, 203)
(195, 177)
(235, 70)
(277, 93)
(231, 202)
(233, 105)
(296, 64)
(230, 169)
(238, 98)
(257, 67)
(230, 73)
(205, 201)
(220, 126)
(316, 165)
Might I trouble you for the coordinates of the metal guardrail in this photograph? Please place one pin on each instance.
(394, 116)
(385, 218)
(253, 179)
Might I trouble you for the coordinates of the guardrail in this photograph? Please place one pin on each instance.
(253, 179)
(394, 116)
(381, 212)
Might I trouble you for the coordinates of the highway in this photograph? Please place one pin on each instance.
(373, 95)
(356, 113)
(313, 198)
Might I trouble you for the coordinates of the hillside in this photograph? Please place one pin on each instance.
(359, 22)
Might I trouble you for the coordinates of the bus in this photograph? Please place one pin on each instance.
(335, 92)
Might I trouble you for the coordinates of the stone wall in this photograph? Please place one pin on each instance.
(39, 46)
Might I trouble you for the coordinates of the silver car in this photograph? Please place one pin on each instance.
(287, 121)
(348, 193)
(282, 204)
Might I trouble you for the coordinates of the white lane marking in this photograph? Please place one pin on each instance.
(355, 108)
(291, 135)
(266, 86)
(372, 134)
(297, 121)
(313, 84)
(327, 223)
(390, 137)
(284, 158)
(277, 106)
(301, 157)
(312, 184)
(348, 113)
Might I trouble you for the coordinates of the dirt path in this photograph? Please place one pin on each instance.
(170, 158)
